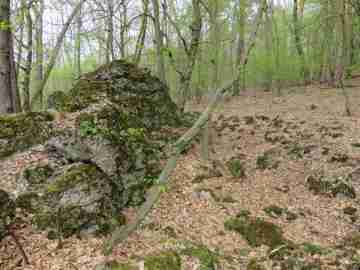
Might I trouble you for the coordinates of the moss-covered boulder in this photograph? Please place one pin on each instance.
(257, 231)
(108, 158)
(7, 212)
(21, 131)
(80, 198)
(133, 89)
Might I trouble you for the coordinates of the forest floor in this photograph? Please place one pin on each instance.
(276, 143)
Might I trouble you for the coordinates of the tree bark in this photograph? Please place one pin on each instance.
(6, 104)
(110, 53)
(241, 25)
(39, 48)
(28, 63)
(159, 42)
(298, 41)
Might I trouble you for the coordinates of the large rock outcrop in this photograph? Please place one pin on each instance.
(108, 159)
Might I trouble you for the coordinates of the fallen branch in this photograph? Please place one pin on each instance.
(154, 193)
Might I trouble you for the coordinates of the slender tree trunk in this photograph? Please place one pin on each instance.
(159, 42)
(110, 54)
(39, 48)
(340, 42)
(124, 28)
(142, 34)
(269, 46)
(28, 63)
(191, 53)
(245, 55)
(214, 42)
(240, 83)
(298, 41)
(78, 45)
(6, 104)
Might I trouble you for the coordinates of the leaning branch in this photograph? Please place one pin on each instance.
(154, 193)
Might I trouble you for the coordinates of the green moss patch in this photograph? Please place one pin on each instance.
(21, 131)
(38, 175)
(257, 231)
(268, 160)
(208, 259)
(236, 168)
(167, 260)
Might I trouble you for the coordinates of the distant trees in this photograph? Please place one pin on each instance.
(193, 47)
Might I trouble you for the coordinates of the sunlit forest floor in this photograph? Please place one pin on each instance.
(280, 142)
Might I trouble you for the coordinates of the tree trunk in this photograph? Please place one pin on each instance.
(240, 83)
(269, 47)
(298, 41)
(28, 63)
(142, 34)
(6, 105)
(110, 54)
(39, 48)
(340, 42)
(159, 42)
(78, 45)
